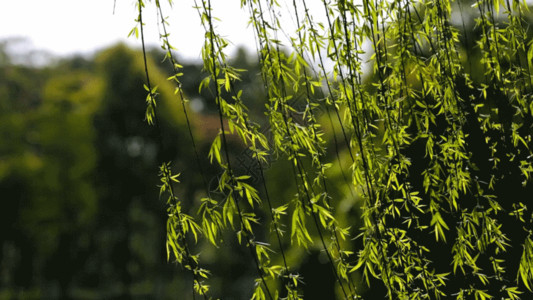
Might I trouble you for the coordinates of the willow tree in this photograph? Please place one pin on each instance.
(431, 114)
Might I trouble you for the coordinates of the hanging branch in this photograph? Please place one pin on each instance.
(274, 77)
(342, 267)
(251, 135)
(178, 224)
(176, 69)
(212, 224)
(235, 186)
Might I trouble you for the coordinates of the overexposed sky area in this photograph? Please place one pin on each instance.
(66, 27)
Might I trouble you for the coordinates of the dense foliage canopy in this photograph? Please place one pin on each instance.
(429, 107)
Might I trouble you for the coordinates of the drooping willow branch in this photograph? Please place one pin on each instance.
(234, 186)
(179, 224)
(276, 80)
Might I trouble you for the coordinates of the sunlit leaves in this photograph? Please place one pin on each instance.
(150, 104)
(299, 232)
(212, 222)
(399, 74)
(438, 226)
(525, 271)
(179, 227)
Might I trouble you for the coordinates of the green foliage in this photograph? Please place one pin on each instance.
(385, 145)
(438, 139)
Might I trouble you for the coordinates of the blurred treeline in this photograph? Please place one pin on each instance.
(80, 213)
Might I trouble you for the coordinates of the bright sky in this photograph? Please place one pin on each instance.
(64, 27)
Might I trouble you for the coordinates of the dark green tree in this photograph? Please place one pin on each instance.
(71, 227)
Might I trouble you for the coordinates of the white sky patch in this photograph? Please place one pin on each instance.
(66, 27)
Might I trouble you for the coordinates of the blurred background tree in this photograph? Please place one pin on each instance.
(80, 217)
